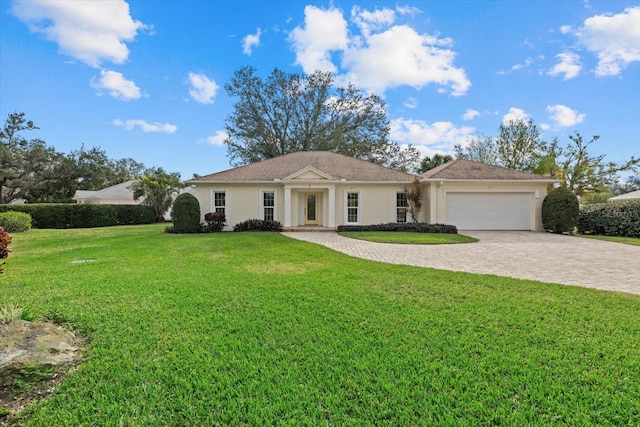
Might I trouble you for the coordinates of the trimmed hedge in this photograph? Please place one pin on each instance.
(186, 214)
(617, 218)
(71, 215)
(415, 227)
(257, 225)
(15, 222)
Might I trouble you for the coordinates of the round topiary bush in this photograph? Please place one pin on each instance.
(560, 211)
(186, 214)
(15, 222)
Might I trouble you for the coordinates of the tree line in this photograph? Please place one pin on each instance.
(31, 169)
(285, 113)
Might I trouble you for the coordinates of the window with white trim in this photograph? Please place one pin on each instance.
(353, 207)
(402, 207)
(220, 201)
(268, 208)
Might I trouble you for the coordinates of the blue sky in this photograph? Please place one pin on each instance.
(145, 79)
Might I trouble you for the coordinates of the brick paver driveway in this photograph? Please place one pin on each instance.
(526, 255)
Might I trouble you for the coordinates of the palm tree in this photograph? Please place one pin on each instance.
(158, 189)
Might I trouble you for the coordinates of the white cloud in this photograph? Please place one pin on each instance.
(470, 114)
(411, 103)
(91, 32)
(565, 29)
(250, 41)
(515, 114)
(117, 86)
(527, 62)
(615, 39)
(381, 56)
(324, 31)
(202, 89)
(429, 138)
(217, 139)
(568, 65)
(372, 21)
(146, 127)
(564, 116)
(401, 56)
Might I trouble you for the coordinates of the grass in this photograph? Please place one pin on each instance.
(259, 329)
(408, 238)
(617, 239)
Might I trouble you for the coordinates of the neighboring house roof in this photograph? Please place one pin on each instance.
(118, 191)
(461, 169)
(325, 163)
(627, 196)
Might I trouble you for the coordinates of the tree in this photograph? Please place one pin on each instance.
(286, 113)
(587, 173)
(519, 145)
(158, 189)
(84, 169)
(434, 161)
(414, 198)
(480, 148)
(631, 183)
(23, 163)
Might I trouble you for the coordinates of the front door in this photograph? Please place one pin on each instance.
(311, 208)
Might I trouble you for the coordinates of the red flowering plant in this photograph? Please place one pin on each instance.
(5, 239)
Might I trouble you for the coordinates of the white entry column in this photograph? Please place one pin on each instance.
(287, 206)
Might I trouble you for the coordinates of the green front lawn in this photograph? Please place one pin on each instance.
(260, 329)
(626, 240)
(408, 237)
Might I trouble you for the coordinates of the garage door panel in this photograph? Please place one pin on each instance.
(489, 211)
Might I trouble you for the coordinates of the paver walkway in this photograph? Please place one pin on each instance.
(521, 254)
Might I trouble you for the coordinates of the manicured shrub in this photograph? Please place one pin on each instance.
(71, 215)
(257, 225)
(186, 214)
(15, 222)
(560, 211)
(215, 222)
(5, 239)
(415, 227)
(134, 214)
(616, 218)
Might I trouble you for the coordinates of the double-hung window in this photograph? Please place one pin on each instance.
(220, 202)
(353, 207)
(268, 205)
(402, 207)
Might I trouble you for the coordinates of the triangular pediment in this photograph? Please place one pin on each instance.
(309, 173)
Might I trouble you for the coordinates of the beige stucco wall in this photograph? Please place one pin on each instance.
(377, 202)
(435, 193)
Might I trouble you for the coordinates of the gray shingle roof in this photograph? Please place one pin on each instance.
(469, 170)
(336, 165)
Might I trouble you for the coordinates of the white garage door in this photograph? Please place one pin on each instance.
(490, 211)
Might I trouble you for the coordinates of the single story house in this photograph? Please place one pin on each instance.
(119, 194)
(324, 190)
(633, 195)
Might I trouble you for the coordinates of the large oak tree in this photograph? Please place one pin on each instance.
(285, 113)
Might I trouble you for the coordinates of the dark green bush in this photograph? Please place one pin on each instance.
(15, 222)
(258, 225)
(616, 218)
(215, 222)
(560, 211)
(71, 215)
(186, 214)
(414, 227)
(134, 214)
